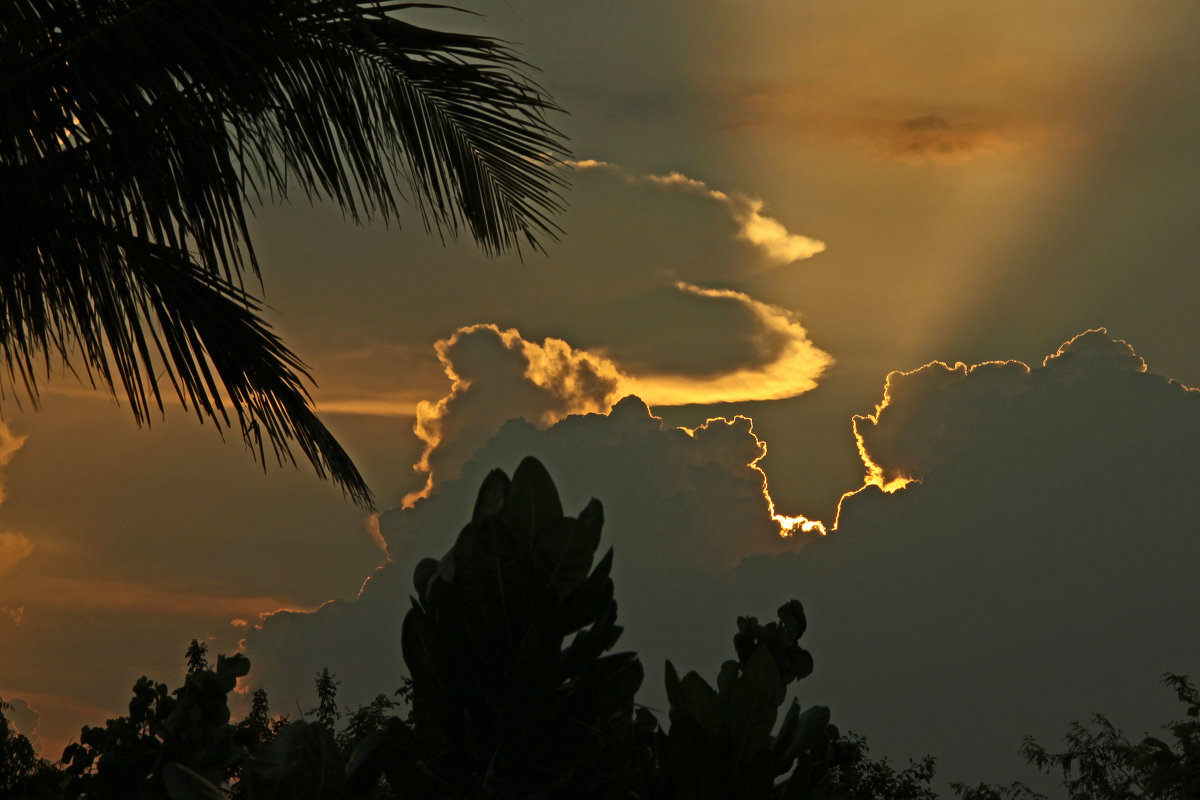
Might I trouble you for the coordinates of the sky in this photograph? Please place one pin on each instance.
(921, 278)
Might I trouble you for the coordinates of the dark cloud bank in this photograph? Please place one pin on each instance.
(1043, 568)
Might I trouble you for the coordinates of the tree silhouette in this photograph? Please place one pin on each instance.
(1100, 763)
(134, 134)
(196, 657)
(515, 694)
(23, 774)
(514, 691)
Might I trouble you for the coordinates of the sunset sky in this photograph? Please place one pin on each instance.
(779, 214)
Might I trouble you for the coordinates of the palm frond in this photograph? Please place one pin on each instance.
(134, 134)
(137, 309)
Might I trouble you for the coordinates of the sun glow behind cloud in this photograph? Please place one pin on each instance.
(895, 460)
(788, 526)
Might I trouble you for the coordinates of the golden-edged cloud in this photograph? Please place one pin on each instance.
(543, 381)
(788, 525)
(1029, 477)
(496, 375)
(10, 443)
(795, 368)
(767, 234)
(928, 414)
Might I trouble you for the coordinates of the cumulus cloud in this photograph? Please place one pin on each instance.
(770, 236)
(10, 443)
(679, 504)
(927, 414)
(1042, 569)
(496, 375)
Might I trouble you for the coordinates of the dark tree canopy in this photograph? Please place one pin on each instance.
(136, 134)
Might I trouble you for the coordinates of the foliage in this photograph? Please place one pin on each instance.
(135, 136)
(114, 761)
(126, 758)
(372, 718)
(984, 791)
(256, 728)
(23, 775)
(500, 707)
(326, 711)
(182, 745)
(514, 694)
(197, 657)
(856, 777)
(1100, 763)
(720, 742)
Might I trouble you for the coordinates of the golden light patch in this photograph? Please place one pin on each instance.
(14, 548)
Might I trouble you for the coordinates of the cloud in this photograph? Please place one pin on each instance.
(935, 139)
(627, 283)
(24, 718)
(679, 505)
(14, 548)
(496, 375)
(793, 367)
(927, 414)
(10, 443)
(40, 718)
(1041, 570)
(939, 139)
(767, 234)
(101, 596)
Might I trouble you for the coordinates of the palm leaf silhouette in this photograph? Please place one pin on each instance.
(134, 134)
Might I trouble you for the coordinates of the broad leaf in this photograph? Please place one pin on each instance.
(532, 501)
(749, 708)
